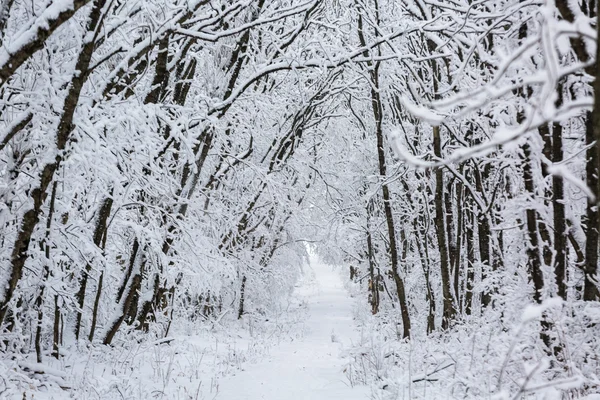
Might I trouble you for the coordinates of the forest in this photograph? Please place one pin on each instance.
(167, 166)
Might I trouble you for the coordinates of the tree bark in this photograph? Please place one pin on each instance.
(40, 299)
(457, 259)
(534, 259)
(373, 279)
(130, 300)
(470, 264)
(242, 298)
(422, 248)
(592, 218)
(5, 8)
(99, 233)
(592, 280)
(558, 209)
(56, 331)
(442, 234)
(98, 292)
(484, 237)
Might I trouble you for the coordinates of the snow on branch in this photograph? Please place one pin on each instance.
(33, 37)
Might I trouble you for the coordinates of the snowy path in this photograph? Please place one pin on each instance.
(311, 368)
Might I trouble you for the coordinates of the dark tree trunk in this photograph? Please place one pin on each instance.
(242, 298)
(470, 273)
(5, 7)
(150, 305)
(534, 259)
(590, 289)
(543, 228)
(457, 260)
(99, 234)
(442, 236)
(56, 333)
(424, 255)
(373, 279)
(129, 303)
(484, 238)
(39, 302)
(389, 217)
(558, 207)
(96, 306)
(592, 218)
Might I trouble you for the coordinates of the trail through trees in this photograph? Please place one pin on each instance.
(313, 367)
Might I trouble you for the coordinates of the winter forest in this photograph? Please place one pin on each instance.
(178, 177)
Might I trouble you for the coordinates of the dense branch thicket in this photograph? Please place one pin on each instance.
(165, 162)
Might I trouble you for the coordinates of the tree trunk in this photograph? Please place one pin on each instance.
(592, 218)
(373, 279)
(543, 228)
(130, 300)
(96, 306)
(99, 234)
(442, 235)
(39, 302)
(98, 295)
(242, 298)
(590, 289)
(457, 248)
(470, 264)
(389, 217)
(424, 255)
(534, 259)
(56, 333)
(5, 7)
(484, 236)
(558, 208)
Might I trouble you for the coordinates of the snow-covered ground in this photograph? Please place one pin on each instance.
(323, 345)
(301, 353)
(311, 368)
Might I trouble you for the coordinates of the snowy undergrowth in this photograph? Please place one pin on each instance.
(500, 357)
(186, 365)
